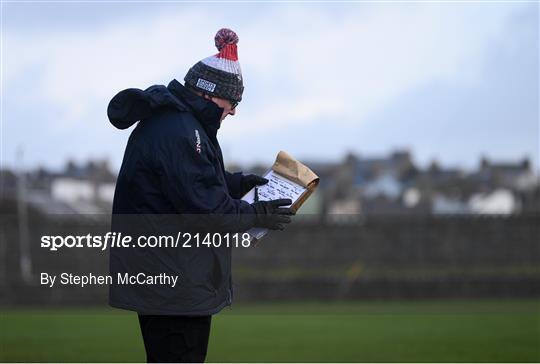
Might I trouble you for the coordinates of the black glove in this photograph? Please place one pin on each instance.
(270, 214)
(249, 181)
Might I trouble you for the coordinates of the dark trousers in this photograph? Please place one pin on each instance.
(175, 338)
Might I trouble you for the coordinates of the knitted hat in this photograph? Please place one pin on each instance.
(219, 75)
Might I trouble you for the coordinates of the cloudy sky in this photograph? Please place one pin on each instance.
(448, 81)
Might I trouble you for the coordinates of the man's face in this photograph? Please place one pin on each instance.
(224, 104)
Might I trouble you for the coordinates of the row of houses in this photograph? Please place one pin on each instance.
(395, 185)
(355, 186)
(78, 189)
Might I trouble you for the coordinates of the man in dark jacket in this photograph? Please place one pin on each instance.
(173, 172)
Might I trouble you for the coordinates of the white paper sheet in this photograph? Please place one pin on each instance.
(276, 188)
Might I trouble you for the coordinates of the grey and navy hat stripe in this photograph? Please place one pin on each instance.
(215, 82)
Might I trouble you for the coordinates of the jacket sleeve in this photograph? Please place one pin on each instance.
(234, 181)
(191, 182)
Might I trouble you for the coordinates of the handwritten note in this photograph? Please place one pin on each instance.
(276, 188)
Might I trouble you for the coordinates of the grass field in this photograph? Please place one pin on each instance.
(480, 331)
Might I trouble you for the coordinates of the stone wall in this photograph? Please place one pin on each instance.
(380, 258)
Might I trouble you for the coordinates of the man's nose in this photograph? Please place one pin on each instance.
(233, 111)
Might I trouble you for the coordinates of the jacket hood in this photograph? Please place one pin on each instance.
(131, 105)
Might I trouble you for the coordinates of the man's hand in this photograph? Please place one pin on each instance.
(271, 214)
(249, 181)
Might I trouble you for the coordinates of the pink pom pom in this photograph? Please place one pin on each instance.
(225, 37)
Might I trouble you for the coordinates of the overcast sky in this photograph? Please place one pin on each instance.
(447, 81)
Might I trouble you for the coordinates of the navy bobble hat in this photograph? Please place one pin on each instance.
(219, 75)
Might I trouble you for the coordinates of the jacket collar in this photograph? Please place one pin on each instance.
(205, 111)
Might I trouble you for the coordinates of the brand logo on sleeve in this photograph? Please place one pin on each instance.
(206, 85)
(197, 141)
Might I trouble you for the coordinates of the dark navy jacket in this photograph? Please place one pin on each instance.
(173, 165)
